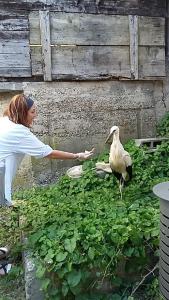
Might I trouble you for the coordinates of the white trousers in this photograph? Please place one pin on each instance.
(7, 173)
(2, 186)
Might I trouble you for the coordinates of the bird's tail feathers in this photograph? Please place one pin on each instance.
(127, 176)
(129, 172)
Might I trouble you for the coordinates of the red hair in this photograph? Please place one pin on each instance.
(17, 110)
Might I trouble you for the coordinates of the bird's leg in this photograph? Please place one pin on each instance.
(120, 188)
(121, 183)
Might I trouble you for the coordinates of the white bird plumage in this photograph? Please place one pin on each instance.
(119, 159)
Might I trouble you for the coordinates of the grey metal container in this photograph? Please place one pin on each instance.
(162, 191)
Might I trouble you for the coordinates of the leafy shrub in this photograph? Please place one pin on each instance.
(163, 126)
(10, 232)
(89, 243)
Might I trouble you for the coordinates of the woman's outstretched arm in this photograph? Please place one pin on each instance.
(57, 154)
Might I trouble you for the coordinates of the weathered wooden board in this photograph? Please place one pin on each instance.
(14, 59)
(84, 62)
(167, 31)
(151, 62)
(68, 62)
(34, 24)
(12, 13)
(36, 59)
(10, 86)
(87, 29)
(151, 31)
(14, 23)
(45, 41)
(82, 29)
(95, 46)
(104, 45)
(14, 47)
(133, 27)
(14, 35)
(91, 61)
(18, 72)
(123, 7)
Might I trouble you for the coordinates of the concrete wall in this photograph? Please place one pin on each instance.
(74, 116)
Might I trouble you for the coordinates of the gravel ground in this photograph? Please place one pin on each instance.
(12, 286)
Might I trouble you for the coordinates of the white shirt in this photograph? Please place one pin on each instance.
(17, 140)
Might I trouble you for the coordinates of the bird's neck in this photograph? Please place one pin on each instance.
(116, 137)
(116, 146)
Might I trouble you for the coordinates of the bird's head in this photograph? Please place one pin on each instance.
(113, 130)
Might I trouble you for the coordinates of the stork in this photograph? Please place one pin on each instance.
(119, 159)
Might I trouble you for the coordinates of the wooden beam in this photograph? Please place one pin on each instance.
(133, 28)
(11, 86)
(45, 42)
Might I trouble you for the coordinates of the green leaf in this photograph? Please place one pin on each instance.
(49, 255)
(45, 283)
(34, 238)
(74, 278)
(40, 271)
(91, 253)
(62, 272)
(55, 292)
(61, 256)
(128, 252)
(70, 244)
(117, 281)
(76, 290)
(155, 232)
(116, 297)
(65, 289)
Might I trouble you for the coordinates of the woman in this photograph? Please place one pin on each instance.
(16, 140)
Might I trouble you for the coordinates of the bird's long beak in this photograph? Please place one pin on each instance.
(109, 138)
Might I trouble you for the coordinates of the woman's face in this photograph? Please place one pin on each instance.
(31, 115)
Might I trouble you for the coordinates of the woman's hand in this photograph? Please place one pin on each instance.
(85, 155)
(56, 154)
